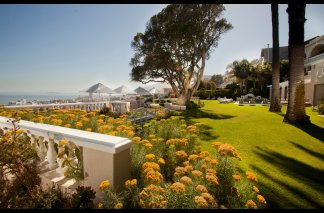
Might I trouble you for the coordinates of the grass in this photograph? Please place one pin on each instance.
(288, 160)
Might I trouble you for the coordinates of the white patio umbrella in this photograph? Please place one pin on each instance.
(142, 91)
(124, 90)
(154, 91)
(99, 88)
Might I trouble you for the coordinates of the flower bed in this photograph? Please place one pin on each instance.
(168, 169)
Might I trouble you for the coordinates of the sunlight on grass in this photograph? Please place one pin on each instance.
(287, 159)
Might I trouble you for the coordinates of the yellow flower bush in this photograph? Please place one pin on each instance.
(104, 184)
(251, 176)
(178, 187)
(236, 177)
(161, 161)
(251, 205)
(150, 156)
(201, 188)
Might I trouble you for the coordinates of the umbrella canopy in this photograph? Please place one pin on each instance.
(142, 91)
(124, 90)
(100, 88)
(154, 91)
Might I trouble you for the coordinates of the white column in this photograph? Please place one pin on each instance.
(51, 153)
(41, 151)
(60, 169)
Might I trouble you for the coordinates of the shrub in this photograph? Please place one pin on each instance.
(320, 107)
(50, 198)
(83, 198)
(18, 167)
(110, 199)
(191, 105)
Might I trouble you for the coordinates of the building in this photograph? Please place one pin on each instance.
(314, 71)
(266, 54)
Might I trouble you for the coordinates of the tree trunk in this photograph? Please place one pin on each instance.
(275, 102)
(184, 98)
(296, 50)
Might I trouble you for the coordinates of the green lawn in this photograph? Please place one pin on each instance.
(288, 160)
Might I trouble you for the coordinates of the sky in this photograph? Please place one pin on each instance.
(68, 48)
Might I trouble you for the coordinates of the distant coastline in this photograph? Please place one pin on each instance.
(50, 96)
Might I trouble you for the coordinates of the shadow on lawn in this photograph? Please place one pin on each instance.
(307, 175)
(311, 129)
(311, 152)
(206, 132)
(198, 113)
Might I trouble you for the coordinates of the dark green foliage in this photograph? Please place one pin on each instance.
(51, 198)
(175, 45)
(192, 105)
(106, 111)
(83, 198)
(217, 79)
(320, 107)
(18, 168)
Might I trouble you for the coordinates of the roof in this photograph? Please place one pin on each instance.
(99, 88)
(283, 53)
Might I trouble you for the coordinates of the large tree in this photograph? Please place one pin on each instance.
(175, 45)
(275, 92)
(296, 50)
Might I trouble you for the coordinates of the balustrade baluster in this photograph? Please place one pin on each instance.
(61, 169)
(41, 151)
(51, 153)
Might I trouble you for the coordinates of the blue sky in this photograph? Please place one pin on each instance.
(68, 48)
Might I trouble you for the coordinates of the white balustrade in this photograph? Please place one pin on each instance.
(104, 156)
(87, 105)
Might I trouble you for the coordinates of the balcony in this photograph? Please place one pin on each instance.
(103, 156)
(314, 60)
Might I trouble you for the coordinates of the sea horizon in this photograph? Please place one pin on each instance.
(5, 98)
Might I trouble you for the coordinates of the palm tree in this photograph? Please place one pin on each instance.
(275, 102)
(242, 71)
(296, 103)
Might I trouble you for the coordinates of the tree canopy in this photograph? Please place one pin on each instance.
(175, 45)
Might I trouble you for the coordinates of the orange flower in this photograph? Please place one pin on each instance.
(178, 187)
(236, 177)
(181, 154)
(196, 173)
(200, 201)
(118, 205)
(136, 139)
(193, 157)
(251, 205)
(261, 199)
(104, 184)
(229, 150)
(256, 189)
(208, 197)
(201, 188)
(251, 176)
(148, 145)
(150, 156)
(186, 180)
(161, 161)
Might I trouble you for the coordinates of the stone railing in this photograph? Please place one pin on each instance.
(89, 106)
(103, 156)
(116, 106)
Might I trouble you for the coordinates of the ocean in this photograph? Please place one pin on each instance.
(6, 98)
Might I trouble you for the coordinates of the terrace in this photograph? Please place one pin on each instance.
(103, 156)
